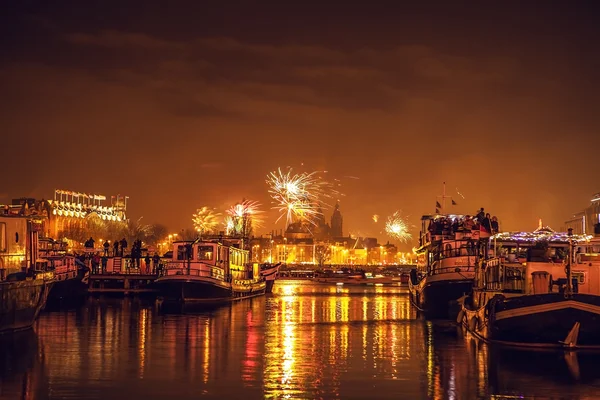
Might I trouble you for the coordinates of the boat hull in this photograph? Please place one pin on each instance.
(21, 302)
(437, 296)
(66, 290)
(544, 320)
(206, 290)
(269, 286)
(270, 274)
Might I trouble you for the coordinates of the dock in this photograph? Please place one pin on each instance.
(122, 283)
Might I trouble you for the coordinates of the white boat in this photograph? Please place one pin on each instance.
(212, 271)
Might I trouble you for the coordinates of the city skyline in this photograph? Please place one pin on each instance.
(193, 105)
(218, 222)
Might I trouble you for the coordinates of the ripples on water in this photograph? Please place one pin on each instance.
(306, 341)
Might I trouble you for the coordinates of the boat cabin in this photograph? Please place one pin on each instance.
(535, 263)
(18, 244)
(222, 260)
(449, 243)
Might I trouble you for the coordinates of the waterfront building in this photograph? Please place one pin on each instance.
(73, 215)
(583, 222)
(320, 244)
(336, 251)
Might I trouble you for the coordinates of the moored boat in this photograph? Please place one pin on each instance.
(71, 275)
(536, 291)
(343, 275)
(24, 284)
(446, 258)
(212, 271)
(270, 273)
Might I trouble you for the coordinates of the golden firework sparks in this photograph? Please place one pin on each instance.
(397, 228)
(298, 196)
(205, 220)
(243, 217)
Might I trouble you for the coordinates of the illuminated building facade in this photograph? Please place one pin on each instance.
(341, 251)
(72, 210)
(323, 244)
(584, 222)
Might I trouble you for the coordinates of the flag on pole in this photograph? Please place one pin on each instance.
(437, 211)
(438, 205)
(453, 202)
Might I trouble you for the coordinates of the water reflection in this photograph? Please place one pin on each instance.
(305, 341)
(325, 342)
(123, 348)
(462, 367)
(21, 366)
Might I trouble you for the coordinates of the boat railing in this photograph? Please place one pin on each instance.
(193, 269)
(465, 261)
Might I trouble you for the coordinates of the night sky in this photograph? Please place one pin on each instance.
(183, 104)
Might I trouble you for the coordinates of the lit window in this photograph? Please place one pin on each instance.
(205, 253)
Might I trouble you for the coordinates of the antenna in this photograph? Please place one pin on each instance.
(443, 198)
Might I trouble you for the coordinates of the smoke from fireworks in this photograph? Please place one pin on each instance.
(298, 196)
(397, 228)
(242, 217)
(205, 220)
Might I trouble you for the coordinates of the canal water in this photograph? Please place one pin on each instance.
(306, 341)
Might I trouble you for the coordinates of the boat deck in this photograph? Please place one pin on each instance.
(132, 283)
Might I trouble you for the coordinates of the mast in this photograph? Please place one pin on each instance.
(569, 289)
(443, 197)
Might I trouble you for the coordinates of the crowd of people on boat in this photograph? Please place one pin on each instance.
(448, 225)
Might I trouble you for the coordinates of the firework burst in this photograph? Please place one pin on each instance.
(298, 196)
(229, 225)
(397, 228)
(205, 220)
(375, 218)
(242, 217)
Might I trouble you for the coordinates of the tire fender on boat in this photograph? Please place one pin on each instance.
(474, 323)
(460, 317)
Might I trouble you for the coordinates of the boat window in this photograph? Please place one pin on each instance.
(2, 237)
(205, 253)
(580, 276)
(182, 253)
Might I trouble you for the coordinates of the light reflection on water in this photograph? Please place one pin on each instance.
(305, 341)
(343, 342)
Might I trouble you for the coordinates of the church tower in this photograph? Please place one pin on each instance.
(336, 222)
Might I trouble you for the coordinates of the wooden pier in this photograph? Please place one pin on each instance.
(131, 283)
